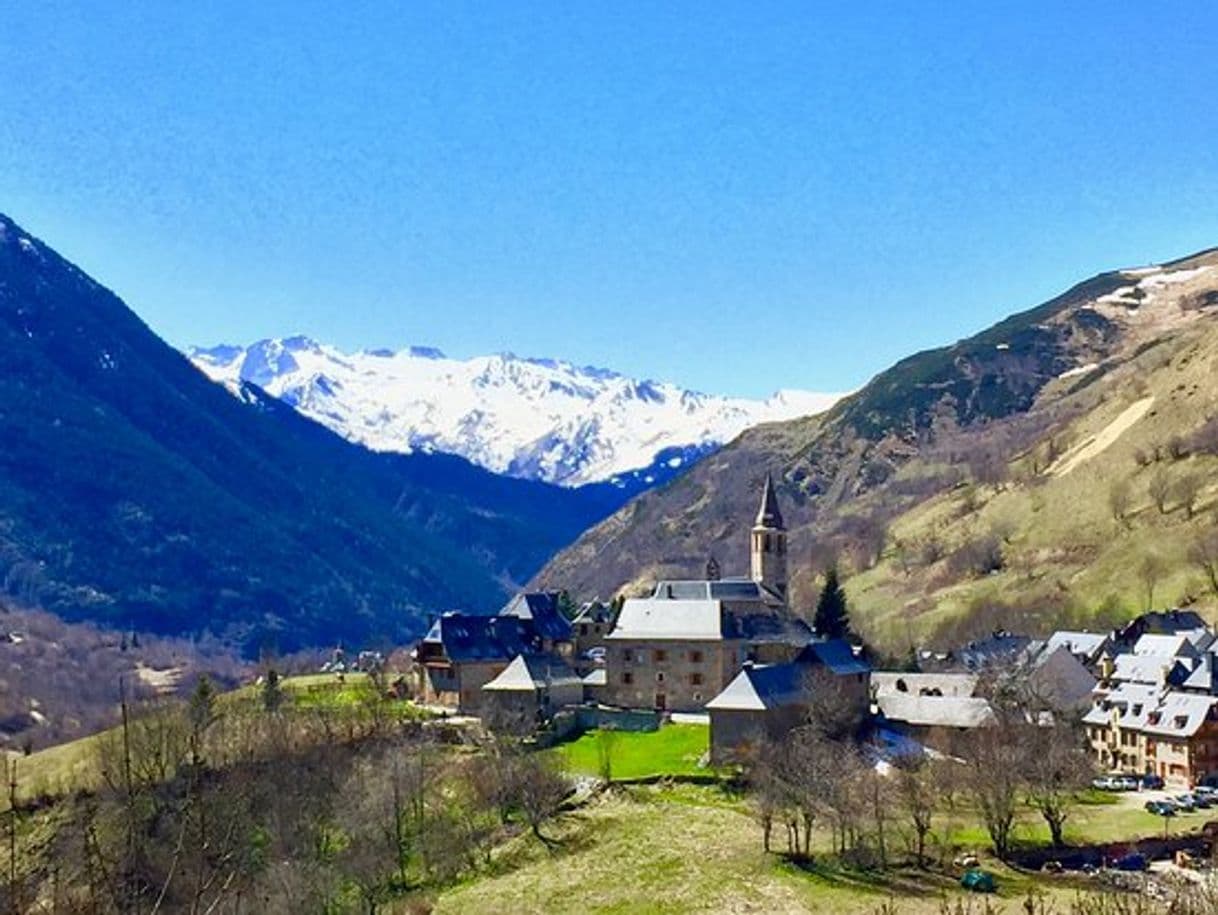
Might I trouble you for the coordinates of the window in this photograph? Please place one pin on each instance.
(583, 628)
(697, 697)
(627, 677)
(695, 657)
(695, 679)
(660, 676)
(661, 655)
(627, 655)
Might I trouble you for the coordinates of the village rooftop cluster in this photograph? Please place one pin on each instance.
(731, 651)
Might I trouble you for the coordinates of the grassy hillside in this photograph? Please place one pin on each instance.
(973, 486)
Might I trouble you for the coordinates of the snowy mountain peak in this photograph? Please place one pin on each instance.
(545, 419)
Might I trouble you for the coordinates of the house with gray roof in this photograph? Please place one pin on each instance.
(528, 692)
(1147, 728)
(765, 701)
(935, 722)
(462, 652)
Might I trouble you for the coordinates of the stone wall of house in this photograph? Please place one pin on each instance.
(675, 675)
(473, 676)
(737, 733)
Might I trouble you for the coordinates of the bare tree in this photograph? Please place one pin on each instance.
(1159, 489)
(1204, 554)
(1056, 767)
(1150, 572)
(1186, 491)
(992, 756)
(1120, 498)
(917, 791)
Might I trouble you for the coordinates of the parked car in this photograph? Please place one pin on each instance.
(1184, 802)
(1161, 808)
(1103, 783)
(1202, 801)
(1152, 781)
(1127, 783)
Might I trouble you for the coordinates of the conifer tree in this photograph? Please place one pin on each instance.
(832, 619)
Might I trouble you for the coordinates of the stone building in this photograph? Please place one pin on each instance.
(682, 645)
(765, 701)
(462, 652)
(528, 692)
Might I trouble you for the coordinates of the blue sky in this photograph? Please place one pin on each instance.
(737, 197)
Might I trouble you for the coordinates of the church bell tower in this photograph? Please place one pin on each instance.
(768, 545)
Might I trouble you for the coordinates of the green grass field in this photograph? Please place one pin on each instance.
(675, 749)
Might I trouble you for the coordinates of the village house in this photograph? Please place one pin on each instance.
(528, 692)
(462, 652)
(681, 646)
(765, 701)
(1147, 729)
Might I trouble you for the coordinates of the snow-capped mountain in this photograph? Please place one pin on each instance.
(540, 419)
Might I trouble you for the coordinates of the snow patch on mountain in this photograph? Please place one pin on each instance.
(543, 419)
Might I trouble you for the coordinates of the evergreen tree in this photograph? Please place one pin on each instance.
(832, 619)
(272, 691)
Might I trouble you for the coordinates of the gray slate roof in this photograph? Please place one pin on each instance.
(540, 607)
(936, 711)
(469, 637)
(765, 686)
(528, 673)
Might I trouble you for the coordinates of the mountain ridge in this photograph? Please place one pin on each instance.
(531, 417)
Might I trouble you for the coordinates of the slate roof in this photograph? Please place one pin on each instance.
(1001, 647)
(541, 607)
(1061, 677)
(761, 687)
(1153, 669)
(1130, 701)
(937, 711)
(691, 620)
(1204, 677)
(1152, 710)
(1085, 645)
(695, 610)
(1178, 714)
(469, 637)
(769, 515)
(528, 673)
(1176, 645)
(920, 684)
(836, 655)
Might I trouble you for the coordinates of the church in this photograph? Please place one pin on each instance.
(680, 647)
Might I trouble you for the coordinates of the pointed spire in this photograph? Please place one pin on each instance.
(769, 515)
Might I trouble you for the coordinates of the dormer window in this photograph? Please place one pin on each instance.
(1181, 720)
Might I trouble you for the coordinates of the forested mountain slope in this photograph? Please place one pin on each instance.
(134, 492)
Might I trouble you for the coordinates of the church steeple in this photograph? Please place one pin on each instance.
(768, 543)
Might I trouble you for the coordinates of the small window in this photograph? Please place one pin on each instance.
(660, 676)
(583, 628)
(627, 656)
(695, 679)
(627, 677)
(697, 697)
(695, 657)
(661, 654)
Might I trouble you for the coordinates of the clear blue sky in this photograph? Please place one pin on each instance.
(738, 197)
